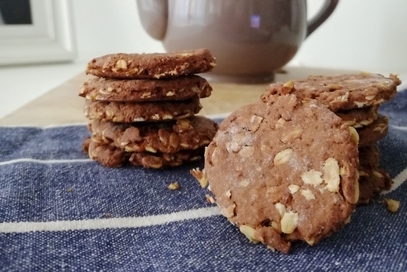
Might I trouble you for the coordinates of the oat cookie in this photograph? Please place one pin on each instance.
(374, 132)
(343, 92)
(128, 112)
(372, 179)
(369, 156)
(359, 117)
(104, 89)
(152, 65)
(105, 154)
(111, 156)
(372, 182)
(167, 137)
(284, 171)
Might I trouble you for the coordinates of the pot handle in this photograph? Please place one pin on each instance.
(326, 10)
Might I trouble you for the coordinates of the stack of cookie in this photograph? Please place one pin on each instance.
(356, 99)
(142, 108)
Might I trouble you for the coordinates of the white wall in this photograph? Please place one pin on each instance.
(361, 34)
(110, 26)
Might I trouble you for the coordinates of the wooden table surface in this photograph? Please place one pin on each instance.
(62, 105)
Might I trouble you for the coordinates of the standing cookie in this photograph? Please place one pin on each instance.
(285, 171)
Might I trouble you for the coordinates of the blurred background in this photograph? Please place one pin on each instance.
(360, 35)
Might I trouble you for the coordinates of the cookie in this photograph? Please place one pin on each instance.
(371, 183)
(167, 137)
(107, 156)
(103, 89)
(284, 171)
(343, 92)
(152, 65)
(359, 117)
(372, 179)
(111, 156)
(128, 112)
(374, 132)
(369, 156)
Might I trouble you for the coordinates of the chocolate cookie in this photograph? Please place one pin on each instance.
(359, 117)
(372, 179)
(342, 92)
(284, 171)
(145, 89)
(111, 156)
(369, 156)
(374, 132)
(167, 137)
(129, 112)
(152, 65)
(372, 182)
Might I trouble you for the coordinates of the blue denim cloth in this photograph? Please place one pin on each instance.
(45, 177)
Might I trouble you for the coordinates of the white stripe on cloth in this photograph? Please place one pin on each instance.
(45, 161)
(399, 128)
(108, 223)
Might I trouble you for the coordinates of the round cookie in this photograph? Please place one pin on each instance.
(372, 179)
(284, 171)
(369, 156)
(129, 112)
(168, 137)
(103, 89)
(359, 117)
(152, 65)
(374, 132)
(343, 92)
(111, 156)
(104, 153)
(371, 183)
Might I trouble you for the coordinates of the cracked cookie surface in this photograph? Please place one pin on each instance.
(285, 171)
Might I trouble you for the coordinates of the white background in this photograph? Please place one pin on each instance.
(369, 35)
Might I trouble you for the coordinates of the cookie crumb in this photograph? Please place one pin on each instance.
(392, 205)
(200, 176)
(209, 199)
(173, 186)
